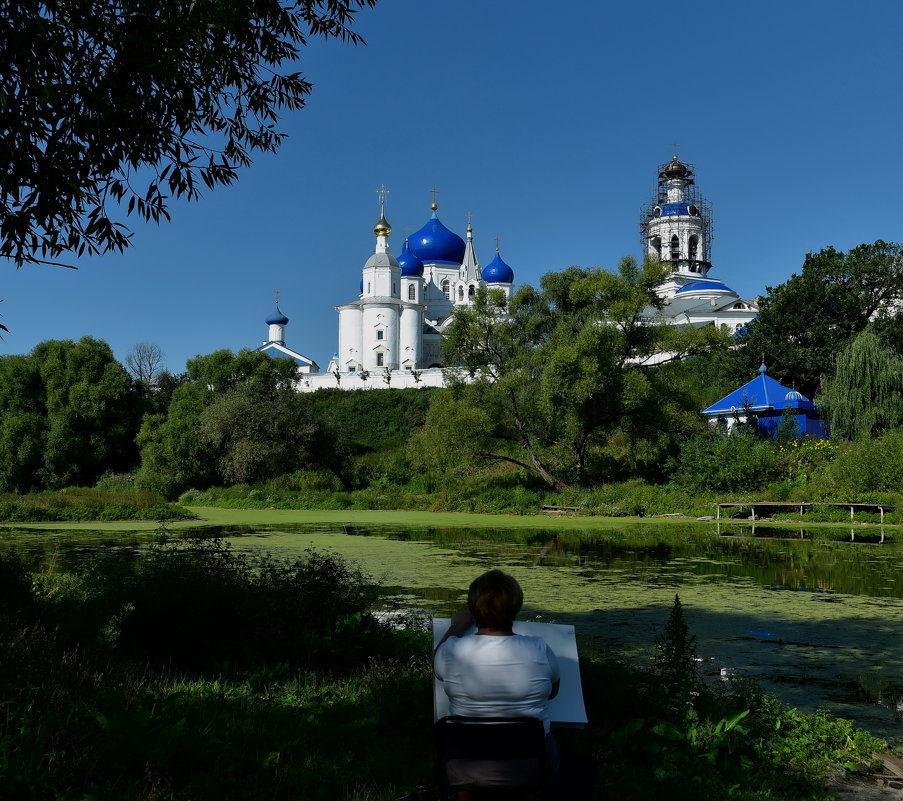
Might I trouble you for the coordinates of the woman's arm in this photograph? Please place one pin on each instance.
(460, 622)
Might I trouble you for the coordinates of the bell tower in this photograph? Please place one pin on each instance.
(677, 223)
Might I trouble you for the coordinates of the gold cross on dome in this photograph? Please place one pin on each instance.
(468, 215)
(435, 195)
(674, 147)
(276, 293)
(498, 243)
(382, 192)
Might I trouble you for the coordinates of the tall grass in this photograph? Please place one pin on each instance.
(88, 503)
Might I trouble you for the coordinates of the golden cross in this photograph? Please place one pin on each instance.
(276, 292)
(468, 215)
(498, 242)
(382, 192)
(674, 146)
(435, 194)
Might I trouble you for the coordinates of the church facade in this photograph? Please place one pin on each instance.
(390, 336)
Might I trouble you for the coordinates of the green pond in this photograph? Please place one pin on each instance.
(813, 616)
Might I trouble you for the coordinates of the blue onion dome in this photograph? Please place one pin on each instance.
(277, 318)
(705, 287)
(434, 243)
(497, 272)
(411, 266)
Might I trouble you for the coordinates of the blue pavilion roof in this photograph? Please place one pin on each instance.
(435, 243)
(712, 285)
(497, 272)
(761, 394)
(277, 318)
(409, 263)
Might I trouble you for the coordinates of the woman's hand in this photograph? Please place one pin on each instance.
(460, 622)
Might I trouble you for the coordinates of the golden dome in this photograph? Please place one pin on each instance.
(382, 228)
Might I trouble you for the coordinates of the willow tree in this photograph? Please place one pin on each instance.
(864, 396)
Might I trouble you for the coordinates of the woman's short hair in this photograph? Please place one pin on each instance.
(494, 599)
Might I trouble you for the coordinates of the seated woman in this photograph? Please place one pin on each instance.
(495, 673)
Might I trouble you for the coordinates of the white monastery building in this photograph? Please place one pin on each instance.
(391, 335)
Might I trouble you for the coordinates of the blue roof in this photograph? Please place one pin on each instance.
(497, 272)
(435, 243)
(712, 285)
(277, 318)
(760, 394)
(675, 209)
(409, 263)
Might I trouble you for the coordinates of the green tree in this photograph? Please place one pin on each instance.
(174, 454)
(261, 436)
(805, 321)
(68, 413)
(128, 103)
(568, 381)
(864, 395)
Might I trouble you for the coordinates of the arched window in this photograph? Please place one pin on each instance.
(694, 248)
(657, 247)
(379, 360)
(675, 248)
(412, 293)
(460, 293)
(471, 291)
(446, 289)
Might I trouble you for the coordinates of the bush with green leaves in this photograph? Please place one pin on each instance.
(735, 462)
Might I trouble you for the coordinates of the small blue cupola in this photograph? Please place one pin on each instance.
(411, 265)
(497, 272)
(765, 400)
(277, 318)
(435, 244)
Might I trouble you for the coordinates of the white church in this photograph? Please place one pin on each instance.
(391, 335)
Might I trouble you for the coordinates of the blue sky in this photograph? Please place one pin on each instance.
(545, 121)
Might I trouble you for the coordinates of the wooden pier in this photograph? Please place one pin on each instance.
(786, 505)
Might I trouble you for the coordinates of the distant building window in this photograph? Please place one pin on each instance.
(471, 291)
(380, 334)
(412, 293)
(379, 360)
(694, 248)
(368, 287)
(393, 288)
(675, 248)
(739, 306)
(446, 289)
(460, 293)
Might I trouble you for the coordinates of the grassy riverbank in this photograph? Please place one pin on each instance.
(205, 516)
(88, 503)
(196, 673)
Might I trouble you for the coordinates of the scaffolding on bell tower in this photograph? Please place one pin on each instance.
(676, 224)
